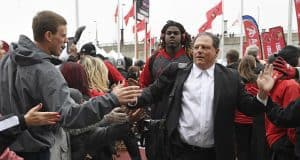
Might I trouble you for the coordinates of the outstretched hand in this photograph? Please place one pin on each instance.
(127, 94)
(35, 118)
(117, 115)
(265, 81)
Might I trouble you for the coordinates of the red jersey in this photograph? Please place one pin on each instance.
(240, 118)
(283, 93)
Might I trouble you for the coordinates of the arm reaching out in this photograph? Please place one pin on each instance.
(35, 118)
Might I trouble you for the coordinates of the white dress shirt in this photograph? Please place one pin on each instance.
(196, 123)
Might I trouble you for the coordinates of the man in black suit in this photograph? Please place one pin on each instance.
(201, 101)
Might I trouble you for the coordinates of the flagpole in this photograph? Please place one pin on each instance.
(241, 28)
(135, 33)
(76, 14)
(118, 30)
(222, 38)
(289, 35)
(145, 42)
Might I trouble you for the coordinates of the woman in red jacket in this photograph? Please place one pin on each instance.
(250, 131)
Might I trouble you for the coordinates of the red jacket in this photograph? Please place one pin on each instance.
(283, 93)
(114, 75)
(240, 118)
(94, 93)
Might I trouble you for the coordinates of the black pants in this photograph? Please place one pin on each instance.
(283, 149)
(243, 134)
(42, 155)
(182, 151)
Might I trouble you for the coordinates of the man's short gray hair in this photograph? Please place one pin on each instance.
(252, 50)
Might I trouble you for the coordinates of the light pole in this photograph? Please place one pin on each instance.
(122, 28)
(96, 38)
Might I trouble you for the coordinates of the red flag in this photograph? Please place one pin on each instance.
(116, 13)
(277, 38)
(210, 16)
(140, 26)
(297, 8)
(129, 14)
(214, 12)
(204, 27)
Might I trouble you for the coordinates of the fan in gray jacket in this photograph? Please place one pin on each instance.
(28, 77)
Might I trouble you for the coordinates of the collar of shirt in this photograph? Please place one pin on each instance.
(167, 56)
(196, 71)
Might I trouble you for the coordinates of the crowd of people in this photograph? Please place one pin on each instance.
(180, 104)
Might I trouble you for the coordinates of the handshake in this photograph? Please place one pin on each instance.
(122, 115)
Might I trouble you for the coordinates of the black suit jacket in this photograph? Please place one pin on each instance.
(288, 117)
(229, 93)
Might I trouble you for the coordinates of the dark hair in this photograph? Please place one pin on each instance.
(139, 63)
(185, 37)
(290, 54)
(75, 76)
(88, 49)
(216, 40)
(272, 58)
(46, 21)
(232, 55)
(133, 72)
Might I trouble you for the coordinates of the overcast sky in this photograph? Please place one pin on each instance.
(16, 16)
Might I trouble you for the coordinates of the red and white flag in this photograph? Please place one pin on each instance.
(277, 38)
(267, 44)
(214, 12)
(210, 16)
(116, 15)
(129, 14)
(252, 33)
(204, 27)
(139, 26)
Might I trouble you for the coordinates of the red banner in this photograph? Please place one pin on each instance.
(267, 44)
(277, 40)
(297, 8)
(252, 34)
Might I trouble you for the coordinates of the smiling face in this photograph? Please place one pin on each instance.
(204, 52)
(57, 41)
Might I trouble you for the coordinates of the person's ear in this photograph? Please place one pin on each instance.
(217, 52)
(48, 36)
